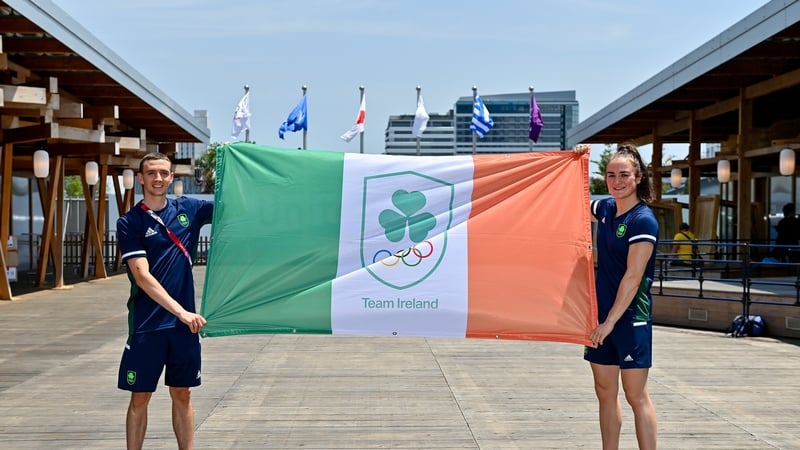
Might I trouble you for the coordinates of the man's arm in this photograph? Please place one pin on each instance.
(140, 269)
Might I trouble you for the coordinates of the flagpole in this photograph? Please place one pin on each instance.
(361, 99)
(246, 131)
(305, 130)
(530, 141)
(474, 139)
(418, 138)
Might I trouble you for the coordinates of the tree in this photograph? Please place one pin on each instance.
(73, 186)
(208, 169)
(597, 185)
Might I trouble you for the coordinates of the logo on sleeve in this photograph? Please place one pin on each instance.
(183, 219)
(621, 229)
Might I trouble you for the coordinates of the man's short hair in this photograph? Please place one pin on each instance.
(154, 156)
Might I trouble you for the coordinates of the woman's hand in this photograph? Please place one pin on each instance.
(582, 148)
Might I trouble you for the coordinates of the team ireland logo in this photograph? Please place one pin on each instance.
(405, 218)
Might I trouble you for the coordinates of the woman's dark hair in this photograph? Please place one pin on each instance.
(628, 150)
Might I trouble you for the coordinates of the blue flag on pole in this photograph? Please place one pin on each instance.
(297, 120)
(481, 121)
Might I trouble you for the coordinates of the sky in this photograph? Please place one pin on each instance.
(202, 53)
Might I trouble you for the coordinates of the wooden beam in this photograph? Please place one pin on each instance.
(6, 161)
(100, 113)
(719, 108)
(23, 95)
(92, 238)
(77, 123)
(100, 262)
(772, 150)
(775, 84)
(18, 24)
(127, 143)
(23, 73)
(760, 89)
(695, 139)
(743, 205)
(168, 148)
(82, 149)
(51, 245)
(34, 44)
(27, 134)
(120, 194)
(53, 63)
(50, 131)
(78, 134)
(182, 170)
(69, 108)
(50, 84)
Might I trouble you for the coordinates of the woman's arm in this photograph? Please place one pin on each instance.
(638, 257)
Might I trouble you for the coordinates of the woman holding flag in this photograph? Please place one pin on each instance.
(627, 235)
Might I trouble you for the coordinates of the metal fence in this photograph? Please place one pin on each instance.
(74, 250)
(739, 263)
(742, 263)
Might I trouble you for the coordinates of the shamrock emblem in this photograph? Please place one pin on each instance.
(409, 204)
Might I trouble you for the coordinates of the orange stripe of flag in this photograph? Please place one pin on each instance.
(531, 274)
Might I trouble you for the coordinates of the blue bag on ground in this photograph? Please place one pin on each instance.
(747, 326)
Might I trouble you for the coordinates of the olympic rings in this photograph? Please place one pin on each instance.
(402, 255)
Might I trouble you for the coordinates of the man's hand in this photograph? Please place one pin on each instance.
(195, 322)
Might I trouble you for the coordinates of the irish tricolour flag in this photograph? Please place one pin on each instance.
(489, 246)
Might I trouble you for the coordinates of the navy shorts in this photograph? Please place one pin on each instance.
(629, 346)
(146, 355)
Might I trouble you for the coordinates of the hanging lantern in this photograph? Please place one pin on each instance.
(41, 164)
(724, 171)
(786, 163)
(676, 177)
(127, 179)
(92, 173)
(177, 188)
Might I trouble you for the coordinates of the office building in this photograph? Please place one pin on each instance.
(449, 134)
(438, 138)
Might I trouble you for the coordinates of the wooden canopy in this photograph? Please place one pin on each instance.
(63, 91)
(740, 89)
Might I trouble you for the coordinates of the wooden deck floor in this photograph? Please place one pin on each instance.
(59, 352)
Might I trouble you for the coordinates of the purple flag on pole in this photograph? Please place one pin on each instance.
(536, 120)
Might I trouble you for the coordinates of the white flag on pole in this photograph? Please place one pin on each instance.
(241, 117)
(420, 118)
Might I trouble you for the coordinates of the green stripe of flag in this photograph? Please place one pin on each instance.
(275, 238)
